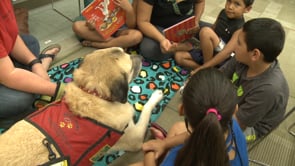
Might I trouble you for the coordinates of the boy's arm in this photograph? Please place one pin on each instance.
(222, 55)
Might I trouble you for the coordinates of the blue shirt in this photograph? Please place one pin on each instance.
(241, 158)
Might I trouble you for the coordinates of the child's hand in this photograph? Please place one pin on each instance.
(196, 70)
(156, 145)
(166, 46)
(124, 4)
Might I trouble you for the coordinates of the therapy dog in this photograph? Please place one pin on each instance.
(91, 119)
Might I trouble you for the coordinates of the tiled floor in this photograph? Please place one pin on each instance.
(278, 149)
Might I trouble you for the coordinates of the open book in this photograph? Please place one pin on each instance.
(107, 17)
(178, 32)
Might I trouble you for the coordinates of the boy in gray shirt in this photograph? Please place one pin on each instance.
(261, 86)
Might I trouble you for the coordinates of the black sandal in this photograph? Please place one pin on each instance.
(52, 56)
(42, 56)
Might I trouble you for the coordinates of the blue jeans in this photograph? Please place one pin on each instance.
(14, 104)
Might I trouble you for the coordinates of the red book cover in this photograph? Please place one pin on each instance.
(177, 32)
(107, 16)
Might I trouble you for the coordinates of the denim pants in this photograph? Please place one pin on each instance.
(14, 104)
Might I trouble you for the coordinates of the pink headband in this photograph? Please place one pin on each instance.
(213, 110)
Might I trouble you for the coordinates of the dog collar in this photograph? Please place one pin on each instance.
(95, 93)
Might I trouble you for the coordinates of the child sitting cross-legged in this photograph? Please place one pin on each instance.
(214, 39)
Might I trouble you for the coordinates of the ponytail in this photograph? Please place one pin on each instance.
(206, 145)
(209, 100)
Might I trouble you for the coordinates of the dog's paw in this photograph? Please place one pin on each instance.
(157, 96)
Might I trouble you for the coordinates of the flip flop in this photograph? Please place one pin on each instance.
(52, 56)
(160, 129)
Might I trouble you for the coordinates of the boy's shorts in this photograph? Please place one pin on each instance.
(197, 54)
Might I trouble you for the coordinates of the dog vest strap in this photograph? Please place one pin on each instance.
(83, 140)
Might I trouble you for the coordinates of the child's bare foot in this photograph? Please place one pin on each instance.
(186, 46)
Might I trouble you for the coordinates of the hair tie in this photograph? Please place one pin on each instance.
(213, 110)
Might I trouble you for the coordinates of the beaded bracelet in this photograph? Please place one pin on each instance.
(33, 62)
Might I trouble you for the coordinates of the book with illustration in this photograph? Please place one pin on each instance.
(106, 16)
(178, 32)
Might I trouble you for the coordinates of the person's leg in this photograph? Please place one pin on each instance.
(184, 58)
(124, 38)
(15, 105)
(46, 60)
(32, 43)
(81, 30)
(208, 40)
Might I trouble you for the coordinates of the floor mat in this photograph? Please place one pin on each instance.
(165, 75)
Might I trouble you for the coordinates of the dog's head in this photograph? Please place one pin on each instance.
(107, 73)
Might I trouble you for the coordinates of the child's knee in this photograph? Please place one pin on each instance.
(180, 56)
(76, 27)
(137, 36)
(205, 31)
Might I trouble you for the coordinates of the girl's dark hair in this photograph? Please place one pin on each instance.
(248, 2)
(208, 88)
(265, 34)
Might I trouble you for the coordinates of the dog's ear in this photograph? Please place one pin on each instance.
(119, 89)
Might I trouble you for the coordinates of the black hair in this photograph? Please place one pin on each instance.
(248, 2)
(206, 89)
(265, 34)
